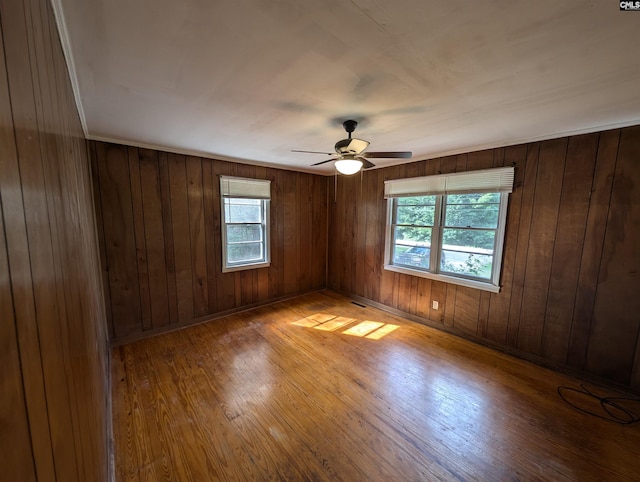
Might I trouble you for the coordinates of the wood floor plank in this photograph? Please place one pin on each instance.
(312, 389)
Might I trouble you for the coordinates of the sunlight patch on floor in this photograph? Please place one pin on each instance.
(382, 331)
(335, 323)
(372, 330)
(363, 328)
(308, 322)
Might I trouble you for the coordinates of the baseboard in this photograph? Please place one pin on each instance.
(125, 340)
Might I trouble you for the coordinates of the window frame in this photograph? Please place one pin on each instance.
(249, 189)
(412, 189)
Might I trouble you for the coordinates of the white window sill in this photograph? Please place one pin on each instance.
(469, 283)
(242, 267)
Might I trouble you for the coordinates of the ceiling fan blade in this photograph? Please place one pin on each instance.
(323, 162)
(398, 154)
(314, 152)
(366, 164)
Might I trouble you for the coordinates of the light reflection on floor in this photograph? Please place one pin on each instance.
(256, 361)
(444, 392)
(373, 330)
(451, 403)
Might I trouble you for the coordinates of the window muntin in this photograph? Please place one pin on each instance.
(245, 223)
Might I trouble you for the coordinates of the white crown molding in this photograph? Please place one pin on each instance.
(521, 141)
(555, 135)
(417, 158)
(63, 35)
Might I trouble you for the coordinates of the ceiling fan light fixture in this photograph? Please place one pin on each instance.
(348, 166)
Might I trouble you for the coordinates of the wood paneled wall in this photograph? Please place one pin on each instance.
(159, 224)
(570, 275)
(54, 388)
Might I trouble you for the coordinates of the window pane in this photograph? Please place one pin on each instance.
(474, 198)
(468, 252)
(244, 252)
(472, 215)
(417, 200)
(410, 236)
(469, 239)
(411, 246)
(243, 210)
(416, 256)
(472, 210)
(466, 263)
(416, 215)
(238, 233)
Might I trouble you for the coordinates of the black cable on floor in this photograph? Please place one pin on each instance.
(613, 408)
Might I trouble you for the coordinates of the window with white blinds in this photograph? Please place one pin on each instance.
(245, 223)
(449, 227)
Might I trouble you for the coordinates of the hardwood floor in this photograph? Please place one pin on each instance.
(283, 392)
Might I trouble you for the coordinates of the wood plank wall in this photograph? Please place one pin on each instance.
(570, 275)
(159, 227)
(54, 387)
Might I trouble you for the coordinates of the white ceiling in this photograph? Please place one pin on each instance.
(249, 80)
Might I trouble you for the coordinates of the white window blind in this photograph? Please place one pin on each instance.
(486, 180)
(240, 187)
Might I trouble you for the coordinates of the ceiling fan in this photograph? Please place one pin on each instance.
(350, 153)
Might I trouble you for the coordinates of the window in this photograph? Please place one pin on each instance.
(245, 223)
(449, 227)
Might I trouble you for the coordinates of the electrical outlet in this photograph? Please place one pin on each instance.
(434, 305)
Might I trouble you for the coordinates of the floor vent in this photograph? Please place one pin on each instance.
(358, 304)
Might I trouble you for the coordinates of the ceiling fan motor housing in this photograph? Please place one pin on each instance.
(351, 146)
